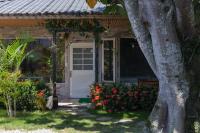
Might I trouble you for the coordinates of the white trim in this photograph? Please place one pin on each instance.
(114, 59)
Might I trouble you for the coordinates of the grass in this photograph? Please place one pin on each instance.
(64, 122)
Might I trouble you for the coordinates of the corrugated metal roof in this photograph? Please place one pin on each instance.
(45, 7)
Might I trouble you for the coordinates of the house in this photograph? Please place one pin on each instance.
(117, 58)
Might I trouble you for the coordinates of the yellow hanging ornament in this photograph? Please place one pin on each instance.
(91, 3)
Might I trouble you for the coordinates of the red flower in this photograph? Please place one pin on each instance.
(40, 93)
(93, 100)
(114, 90)
(110, 111)
(97, 97)
(105, 102)
(108, 96)
(98, 89)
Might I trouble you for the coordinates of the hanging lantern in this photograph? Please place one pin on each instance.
(91, 3)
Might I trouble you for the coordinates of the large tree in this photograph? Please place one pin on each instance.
(162, 27)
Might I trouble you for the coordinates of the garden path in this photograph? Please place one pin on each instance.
(76, 108)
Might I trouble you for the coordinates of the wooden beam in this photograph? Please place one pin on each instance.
(96, 59)
(54, 68)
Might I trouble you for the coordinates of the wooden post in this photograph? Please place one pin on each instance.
(96, 57)
(54, 62)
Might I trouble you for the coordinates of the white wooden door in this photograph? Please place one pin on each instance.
(82, 69)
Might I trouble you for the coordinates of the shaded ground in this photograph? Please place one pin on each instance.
(75, 120)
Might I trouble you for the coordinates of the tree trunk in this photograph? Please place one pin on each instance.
(157, 16)
(10, 109)
(15, 107)
(169, 111)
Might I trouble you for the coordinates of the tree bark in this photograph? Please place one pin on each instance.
(185, 18)
(141, 33)
(10, 109)
(157, 17)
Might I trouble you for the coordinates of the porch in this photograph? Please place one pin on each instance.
(120, 60)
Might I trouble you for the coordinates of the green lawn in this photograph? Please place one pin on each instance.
(64, 122)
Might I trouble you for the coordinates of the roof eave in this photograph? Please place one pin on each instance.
(50, 16)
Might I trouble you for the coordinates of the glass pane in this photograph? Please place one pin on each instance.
(77, 56)
(77, 50)
(88, 61)
(88, 67)
(77, 62)
(88, 56)
(87, 50)
(77, 67)
(82, 59)
(108, 60)
(138, 67)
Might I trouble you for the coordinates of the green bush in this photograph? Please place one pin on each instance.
(26, 98)
(120, 97)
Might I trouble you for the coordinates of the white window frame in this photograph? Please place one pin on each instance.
(114, 57)
(77, 45)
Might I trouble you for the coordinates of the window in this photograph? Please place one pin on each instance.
(108, 60)
(132, 61)
(82, 59)
(37, 63)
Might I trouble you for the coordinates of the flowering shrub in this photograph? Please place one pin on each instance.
(40, 100)
(32, 97)
(43, 92)
(120, 97)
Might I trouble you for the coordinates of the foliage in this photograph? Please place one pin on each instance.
(120, 97)
(14, 93)
(40, 101)
(74, 25)
(8, 90)
(114, 7)
(191, 47)
(196, 4)
(190, 50)
(41, 86)
(197, 127)
(33, 96)
(43, 92)
(11, 57)
(26, 98)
